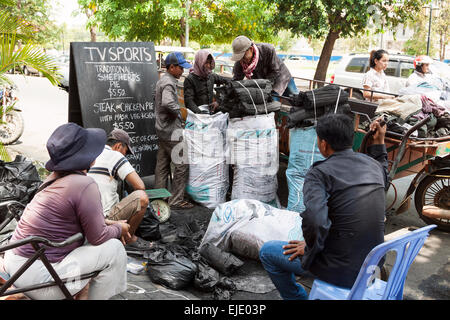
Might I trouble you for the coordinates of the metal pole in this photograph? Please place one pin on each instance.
(187, 24)
(429, 29)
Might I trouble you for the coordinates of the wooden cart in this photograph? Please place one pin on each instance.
(426, 158)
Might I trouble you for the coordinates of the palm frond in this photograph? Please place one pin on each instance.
(4, 80)
(4, 155)
(14, 25)
(7, 2)
(29, 54)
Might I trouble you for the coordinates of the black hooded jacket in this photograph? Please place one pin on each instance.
(199, 91)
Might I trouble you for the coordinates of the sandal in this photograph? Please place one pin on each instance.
(139, 245)
(182, 205)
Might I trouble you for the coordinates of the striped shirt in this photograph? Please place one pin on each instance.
(110, 167)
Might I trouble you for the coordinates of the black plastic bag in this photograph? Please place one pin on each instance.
(206, 277)
(221, 294)
(189, 234)
(148, 229)
(169, 267)
(19, 180)
(224, 262)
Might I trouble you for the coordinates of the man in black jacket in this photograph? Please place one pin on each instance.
(260, 61)
(343, 221)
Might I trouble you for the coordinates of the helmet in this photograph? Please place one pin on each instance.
(420, 60)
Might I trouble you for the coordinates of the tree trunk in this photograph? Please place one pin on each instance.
(182, 40)
(182, 34)
(322, 66)
(93, 31)
(19, 7)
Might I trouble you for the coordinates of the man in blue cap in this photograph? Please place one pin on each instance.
(168, 124)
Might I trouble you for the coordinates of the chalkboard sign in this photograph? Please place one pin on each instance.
(112, 85)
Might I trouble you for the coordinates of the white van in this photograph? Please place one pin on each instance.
(350, 72)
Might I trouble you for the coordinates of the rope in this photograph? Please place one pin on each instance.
(262, 93)
(337, 102)
(315, 124)
(256, 110)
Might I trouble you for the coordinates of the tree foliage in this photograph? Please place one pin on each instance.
(210, 22)
(13, 28)
(89, 8)
(440, 30)
(285, 40)
(417, 45)
(335, 19)
(36, 16)
(442, 27)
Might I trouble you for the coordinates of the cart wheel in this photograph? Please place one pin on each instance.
(434, 190)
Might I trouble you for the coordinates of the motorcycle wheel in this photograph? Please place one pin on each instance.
(434, 190)
(12, 129)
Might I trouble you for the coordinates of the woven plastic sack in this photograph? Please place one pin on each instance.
(254, 222)
(253, 149)
(303, 152)
(208, 171)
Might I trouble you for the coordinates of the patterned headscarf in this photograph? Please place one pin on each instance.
(199, 65)
(249, 68)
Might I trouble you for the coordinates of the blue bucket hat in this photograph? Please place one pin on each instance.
(177, 58)
(72, 147)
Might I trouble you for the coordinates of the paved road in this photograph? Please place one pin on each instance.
(46, 107)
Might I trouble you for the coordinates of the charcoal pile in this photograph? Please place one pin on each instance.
(175, 261)
(246, 98)
(309, 105)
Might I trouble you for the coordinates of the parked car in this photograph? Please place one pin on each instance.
(28, 70)
(294, 58)
(351, 69)
(62, 63)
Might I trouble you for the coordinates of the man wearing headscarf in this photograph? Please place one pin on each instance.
(199, 84)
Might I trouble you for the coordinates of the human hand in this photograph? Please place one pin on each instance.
(213, 106)
(125, 235)
(295, 248)
(380, 131)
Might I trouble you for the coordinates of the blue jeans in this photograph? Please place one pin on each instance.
(291, 89)
(282, 271)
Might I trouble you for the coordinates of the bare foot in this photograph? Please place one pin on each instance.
(17, 296)
(132, 239)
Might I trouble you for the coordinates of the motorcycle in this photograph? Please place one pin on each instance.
(11, 119)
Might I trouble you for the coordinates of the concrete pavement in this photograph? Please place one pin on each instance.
(45, 107)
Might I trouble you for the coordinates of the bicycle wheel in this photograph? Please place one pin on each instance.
(12, 128)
